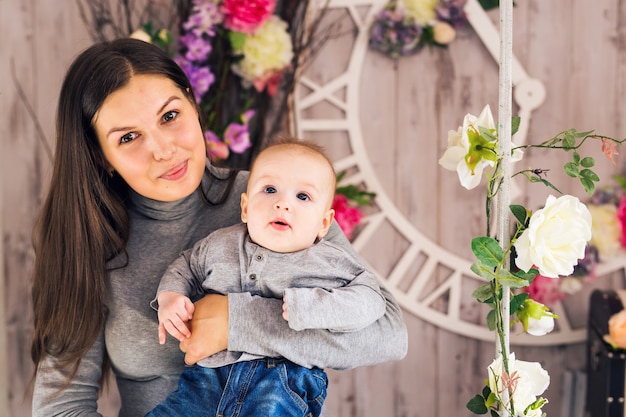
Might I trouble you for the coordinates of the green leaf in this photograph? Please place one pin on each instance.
(582, 134)
(569, 139)
(237, 40)
(571, 169)
(494, 413)
(483, 293)
(576, 158)
(528, 276)
(482, 270)
(549, 184)
(588, 185)
(515, 122)
(507, 278)
(520, 213)
(491, 320)
(486, 391)
(477, 405)
(590, 175)
(588, 162)
(517, 301)
(487, 250)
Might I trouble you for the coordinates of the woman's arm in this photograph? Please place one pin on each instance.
(246, 323)
(79, 398)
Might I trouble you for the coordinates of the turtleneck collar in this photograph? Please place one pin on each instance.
(164, 210)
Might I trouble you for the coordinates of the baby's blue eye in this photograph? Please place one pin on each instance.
(270, 190)
(303, 196)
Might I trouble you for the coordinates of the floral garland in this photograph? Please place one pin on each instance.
(549, 243)
(404, 27)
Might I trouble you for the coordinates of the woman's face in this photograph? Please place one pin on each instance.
(150, 134)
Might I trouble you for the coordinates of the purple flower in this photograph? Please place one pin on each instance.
(198, 49)
(201, 78)
(451, 11)
(237, 135)
(394, 35)
(205, 17)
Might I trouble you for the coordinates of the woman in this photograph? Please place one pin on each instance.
(131, 188)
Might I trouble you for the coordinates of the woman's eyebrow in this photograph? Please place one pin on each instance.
(125, 128)
(167, 102)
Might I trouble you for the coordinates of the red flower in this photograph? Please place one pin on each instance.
(347, 216)
(246, 15)
(621, 216)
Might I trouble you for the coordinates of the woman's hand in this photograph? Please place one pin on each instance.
(209, 329)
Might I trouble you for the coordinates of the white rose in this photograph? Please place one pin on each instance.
(541, 326)
(556, 237)
(530, 380)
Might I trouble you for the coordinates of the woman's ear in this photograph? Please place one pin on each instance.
(326, 222)
(244, 207)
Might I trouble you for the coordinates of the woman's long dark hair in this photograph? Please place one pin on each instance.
(84, 221)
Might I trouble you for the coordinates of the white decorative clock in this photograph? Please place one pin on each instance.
(418, 296)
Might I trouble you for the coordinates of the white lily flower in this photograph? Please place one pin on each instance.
(460, 148)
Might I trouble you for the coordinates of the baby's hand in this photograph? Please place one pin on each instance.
(175, 310)
(285, 313)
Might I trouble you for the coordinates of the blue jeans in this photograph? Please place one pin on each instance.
(262, 387)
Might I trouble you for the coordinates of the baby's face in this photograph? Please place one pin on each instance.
(287, 204)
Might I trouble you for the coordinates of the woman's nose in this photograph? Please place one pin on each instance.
(164, 149)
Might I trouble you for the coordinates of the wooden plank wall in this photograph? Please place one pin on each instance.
(576, 48)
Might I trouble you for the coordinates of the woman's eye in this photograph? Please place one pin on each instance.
(170, 115)
(129, 137)
(270, 190)
(303, 196)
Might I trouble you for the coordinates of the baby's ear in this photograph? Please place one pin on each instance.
(244, 207)
(326, 222)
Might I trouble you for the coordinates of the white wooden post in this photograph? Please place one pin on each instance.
(504, 138)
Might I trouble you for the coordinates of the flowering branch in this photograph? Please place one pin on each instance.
(548, 242)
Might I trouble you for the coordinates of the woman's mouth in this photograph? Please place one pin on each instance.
(176, 172)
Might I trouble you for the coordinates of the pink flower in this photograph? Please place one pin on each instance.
(237, 135)
(545, 290)
(347, 217)
(621, 216)
(246, 15)
(215, 148)
(270, 80)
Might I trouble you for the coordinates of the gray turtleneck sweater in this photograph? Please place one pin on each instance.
(146, 371)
